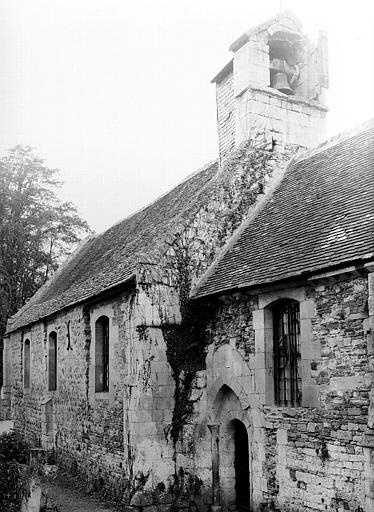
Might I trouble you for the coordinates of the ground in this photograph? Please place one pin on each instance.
(65, 496)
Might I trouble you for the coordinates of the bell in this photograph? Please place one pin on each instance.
(280, 82)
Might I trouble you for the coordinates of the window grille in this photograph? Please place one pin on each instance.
(102, 354)
(286, 330)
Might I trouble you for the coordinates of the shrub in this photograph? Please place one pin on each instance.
(14, 448)
(14, 474)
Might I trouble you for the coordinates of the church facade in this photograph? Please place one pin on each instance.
(215, 349)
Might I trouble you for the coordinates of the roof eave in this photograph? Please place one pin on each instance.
(361, 264)
(87, 301)
(225, 71)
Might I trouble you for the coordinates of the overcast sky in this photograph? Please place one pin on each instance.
(117, 93)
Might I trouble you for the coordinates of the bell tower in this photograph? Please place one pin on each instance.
(274, 85)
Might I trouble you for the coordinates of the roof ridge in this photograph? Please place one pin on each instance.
(336, 139)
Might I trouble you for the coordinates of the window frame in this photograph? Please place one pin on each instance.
(102, 355)
(27, 364)
(52, 378)
(287, 357)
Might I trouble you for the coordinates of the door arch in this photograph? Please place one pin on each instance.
(234, 450)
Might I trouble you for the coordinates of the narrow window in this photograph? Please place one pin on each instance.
(26, 364)
(1, 364)
(102, 354)
(52, 361)
(286, 329)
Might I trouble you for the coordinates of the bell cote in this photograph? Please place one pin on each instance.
(274, 85)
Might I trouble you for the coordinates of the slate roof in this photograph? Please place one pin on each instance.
(321, 215)
(111, 258)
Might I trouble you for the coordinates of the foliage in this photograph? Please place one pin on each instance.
(14, 448)
(187, 342)
(14, 475)
(14, 486)
(37, 229)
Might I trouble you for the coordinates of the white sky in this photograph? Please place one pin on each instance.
(117, 93)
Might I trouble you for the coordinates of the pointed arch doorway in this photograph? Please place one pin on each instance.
(233, 451)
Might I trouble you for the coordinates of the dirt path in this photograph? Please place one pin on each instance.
(65, 497)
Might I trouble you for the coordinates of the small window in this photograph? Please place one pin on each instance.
(26, 364)
(286, 334)
(102, 354)
(52, 361)
(1, 364)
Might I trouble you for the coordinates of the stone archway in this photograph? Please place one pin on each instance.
(234, 451)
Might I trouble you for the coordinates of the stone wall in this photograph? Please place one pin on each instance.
(183, 373)
(316, 457)
(287, 119)
(125, 441)
(225, 116)
(85, 429)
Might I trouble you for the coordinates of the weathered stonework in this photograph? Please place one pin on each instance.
(141, 434)
(315, 457)
(189, 417)
(225, 116)
(249, 103)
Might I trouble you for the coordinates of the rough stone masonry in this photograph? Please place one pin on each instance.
(214, 351)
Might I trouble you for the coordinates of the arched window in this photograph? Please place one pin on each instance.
(26, 364)
(286, 346)
(102, 354)
(52, 361)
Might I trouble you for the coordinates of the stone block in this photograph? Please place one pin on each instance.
(263, 340)
(311, 426)
(6, 426)
(310, 351)
(259, 435)
(282, 436)
(258, 318)
(258, 418)
(144, 430)
(311, 396)
(263, 381)
(306, 331)
(259, 360)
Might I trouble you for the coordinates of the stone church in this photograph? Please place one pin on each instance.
(214, 351)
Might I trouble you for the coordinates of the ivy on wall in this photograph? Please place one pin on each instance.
(192, 249)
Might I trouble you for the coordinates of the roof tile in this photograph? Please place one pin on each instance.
(321, 214)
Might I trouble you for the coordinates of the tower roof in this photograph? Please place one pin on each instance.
(285, 21)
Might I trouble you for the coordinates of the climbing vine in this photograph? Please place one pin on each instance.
(192, 248)
(186, 343)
